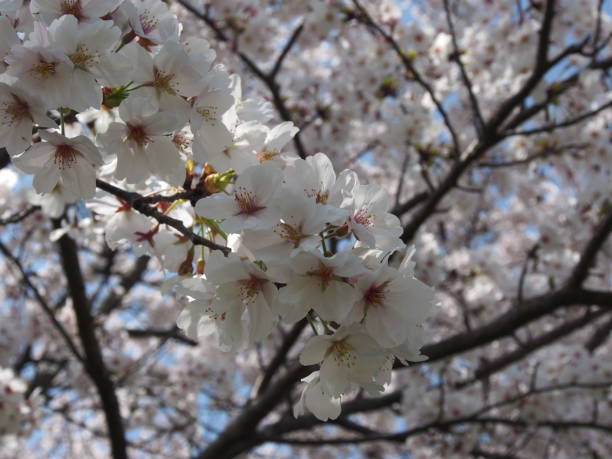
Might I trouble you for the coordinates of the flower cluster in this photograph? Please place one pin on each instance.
(303, 244)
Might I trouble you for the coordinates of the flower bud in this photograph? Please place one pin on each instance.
(112, 97)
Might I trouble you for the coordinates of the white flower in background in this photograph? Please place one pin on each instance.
(251, 205)
(9, 6)
(82, 10)
(208, 116)
(122, 223)
(315, 399)
(142, 143)
(393, 305)
(222, 151)
(201, 55)
(172, 249)
(74, 161)
(18, 113)
(270, 147)
(349, 357)
(18, 12)
(8, 38)
(54, 202)
(316, 178)
(152, 20)
(198, 319)
(320, 283)
(43, 72)
(301, 221)
(88, 46)
(370, 221)
(211, 137)
(244, 120)
(245, 296)
(168, 73)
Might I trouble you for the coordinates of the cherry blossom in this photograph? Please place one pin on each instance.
(73, 160)
(226, 223)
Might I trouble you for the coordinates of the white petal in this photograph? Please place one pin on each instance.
(314, 350)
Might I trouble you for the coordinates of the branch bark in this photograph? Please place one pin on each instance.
(94, 363)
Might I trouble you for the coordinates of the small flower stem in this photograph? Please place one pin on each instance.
(325, 251)
(312, 325)
(62, 125)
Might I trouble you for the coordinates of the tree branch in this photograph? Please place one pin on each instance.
(279, 62)
(128, 281)
(493, 366)
(135, 200)
(281, 354)
(587, 258)
(172, 333)
(478, 119)
(94, 363)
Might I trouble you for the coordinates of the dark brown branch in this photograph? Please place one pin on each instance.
(404, 207)
(479, 452)
(19, 216)
(533, 157)
(172, 333)
(94, 363)
(526, 114)
(135, 200)
(587, 258)
(279, 62)
(600, 336)
(478, 119)
(352, 426)
(281, 355)
(361, 405)
(493, 366)
(442, 426)
(604, 64)
(5, 159)
(275, 432)
(128, 281)
(562, 124)
(513, 319)
(237, 436)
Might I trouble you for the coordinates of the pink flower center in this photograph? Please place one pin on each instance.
(319, 195)
(289, 233)
(138, 134)
(148, 22)
(343, 354)
(324, 273)
(44, 70)
(65, 156)
(162, 82)
(251, 287)
(362, 217)
(72, 7)
(247, 202)
(14, 111)
(375, 295)
(267, 155)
